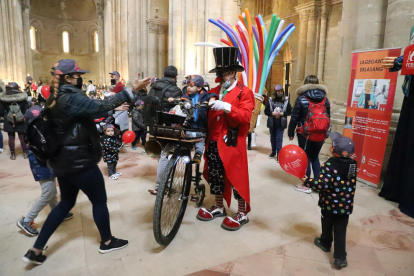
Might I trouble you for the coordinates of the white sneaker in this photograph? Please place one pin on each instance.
(118, 174)
(113, 177)
(1, 150)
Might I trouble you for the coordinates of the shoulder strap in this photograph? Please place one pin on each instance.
(165, 90)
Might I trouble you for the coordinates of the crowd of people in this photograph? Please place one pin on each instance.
(74, 107)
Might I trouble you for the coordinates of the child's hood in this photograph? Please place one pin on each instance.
(345, 166)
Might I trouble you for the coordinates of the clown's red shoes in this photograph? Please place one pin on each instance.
(236, 222)
(210, 214)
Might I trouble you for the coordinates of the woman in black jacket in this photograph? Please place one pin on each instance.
(15, 97)
(70, 114)
(311, 90)
(277, 109)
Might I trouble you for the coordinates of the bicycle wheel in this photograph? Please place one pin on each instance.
(172, 199)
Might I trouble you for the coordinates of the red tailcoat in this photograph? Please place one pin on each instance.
(234, 158)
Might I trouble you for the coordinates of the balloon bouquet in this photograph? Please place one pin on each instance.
(258, 49)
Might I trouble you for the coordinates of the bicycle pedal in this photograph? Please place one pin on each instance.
(194, 197)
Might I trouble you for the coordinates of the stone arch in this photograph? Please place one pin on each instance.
(37, 24)
(91, 39)
(68, 28)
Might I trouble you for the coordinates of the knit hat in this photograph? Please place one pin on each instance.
(109, 126)
(343, 146)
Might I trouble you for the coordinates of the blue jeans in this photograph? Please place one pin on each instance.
(91, 182)
(276, 139)
(312, 151)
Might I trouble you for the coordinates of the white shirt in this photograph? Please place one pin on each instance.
(91, 88)
(228, 90)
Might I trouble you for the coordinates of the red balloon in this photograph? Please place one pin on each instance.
(293, 160)
(45, 91)
(128, 137)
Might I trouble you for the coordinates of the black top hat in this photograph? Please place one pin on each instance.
(226, 60)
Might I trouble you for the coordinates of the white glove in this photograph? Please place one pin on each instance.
(220, 105)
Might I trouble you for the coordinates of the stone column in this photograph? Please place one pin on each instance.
(325, 13)
(12, 42)
(311, 40)
(26, 36)
(397, 32)
(162, 49)
(303, 27)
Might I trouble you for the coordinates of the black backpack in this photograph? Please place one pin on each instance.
(41, 138)
(152, 106)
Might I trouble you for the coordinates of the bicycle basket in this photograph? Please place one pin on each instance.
(170, 119)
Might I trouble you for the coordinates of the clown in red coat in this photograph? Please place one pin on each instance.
(226, 167)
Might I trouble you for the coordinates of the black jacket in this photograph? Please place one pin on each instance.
(314, 92)
(6, 99)
(72, 121)
(273, 122)
(336, 185)
(173, 91)
(202, 110)
(137, 120)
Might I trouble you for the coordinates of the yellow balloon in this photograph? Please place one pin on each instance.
(262, 107)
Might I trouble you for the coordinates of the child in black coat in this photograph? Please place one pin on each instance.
(336, 185)
(110, 149)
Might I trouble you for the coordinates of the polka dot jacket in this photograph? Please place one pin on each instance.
(110, 148)
(336, 185)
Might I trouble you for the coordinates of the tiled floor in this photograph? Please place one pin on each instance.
(382, 246)
(276, 241)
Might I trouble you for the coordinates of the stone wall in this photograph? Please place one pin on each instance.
(50, 46)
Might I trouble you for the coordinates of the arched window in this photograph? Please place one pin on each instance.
(96, 41)
(32, 38)
(65, 41)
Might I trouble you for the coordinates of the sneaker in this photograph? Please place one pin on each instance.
(134, 148)
(13, 156)
(236, 222)
(27, 227)
(212, 213)
(197, 158)
(317, 242)
(115, 244)
(31, 257)
(118, 174)
(144, 153)
(303, 189)
(1, 150)
(338, 264)
(68, 216)
(272, 156)
(113, 177)
(25, 155)
(153, 192)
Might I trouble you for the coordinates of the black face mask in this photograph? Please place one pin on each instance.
(79, 83)
(113, 81)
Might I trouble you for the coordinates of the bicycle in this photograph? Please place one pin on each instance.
(175, 185)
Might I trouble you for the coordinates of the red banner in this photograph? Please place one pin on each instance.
(408, 63)
(369, 108)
